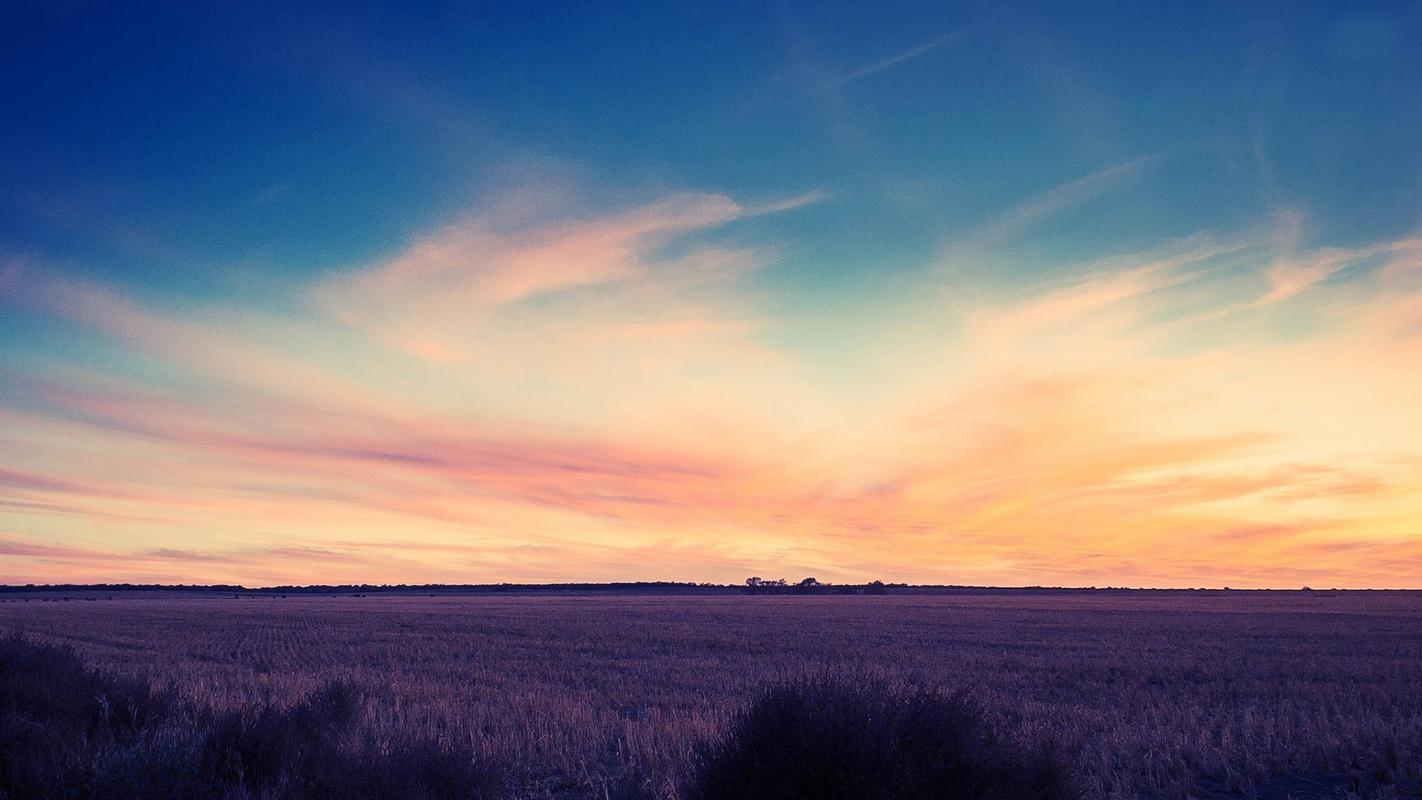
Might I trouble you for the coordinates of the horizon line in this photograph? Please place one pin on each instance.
(227, 587)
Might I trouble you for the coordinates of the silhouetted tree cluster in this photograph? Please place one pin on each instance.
(757, 585)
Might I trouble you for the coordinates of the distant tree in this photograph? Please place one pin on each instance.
(753, 582)
(876, 587)
(807, 586)
(779, 582)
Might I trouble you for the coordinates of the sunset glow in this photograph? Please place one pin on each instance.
(398, 313)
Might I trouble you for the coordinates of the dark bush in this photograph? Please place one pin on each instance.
(69, 732)
(826, 739)
(298, 753)
(264, 749)
(422, 771)
(53, 710)
(50, 681)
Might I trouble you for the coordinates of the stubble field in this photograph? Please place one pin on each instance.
(1147, 695)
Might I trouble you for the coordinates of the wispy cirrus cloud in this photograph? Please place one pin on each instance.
(889, 62)
(1033, 210)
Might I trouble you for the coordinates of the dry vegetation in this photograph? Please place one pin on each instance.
(1147, 695)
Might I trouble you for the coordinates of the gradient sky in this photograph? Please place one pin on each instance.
(999, 293)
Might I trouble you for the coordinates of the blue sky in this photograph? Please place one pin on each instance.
(276, 139)
(868, 186)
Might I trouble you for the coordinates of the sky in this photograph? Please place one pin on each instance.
(1069, 294)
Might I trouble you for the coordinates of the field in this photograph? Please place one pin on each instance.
(1147, 694)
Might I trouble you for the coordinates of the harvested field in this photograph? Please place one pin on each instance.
(1146, 694)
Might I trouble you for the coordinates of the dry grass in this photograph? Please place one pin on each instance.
(1148, 695)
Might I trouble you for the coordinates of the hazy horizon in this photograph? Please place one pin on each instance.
(970, 295)
(689, 584)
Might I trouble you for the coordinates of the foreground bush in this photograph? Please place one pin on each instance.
(53, 711)
(827, 740)
(67, 732)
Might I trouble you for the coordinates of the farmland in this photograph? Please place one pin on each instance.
(1146, 694)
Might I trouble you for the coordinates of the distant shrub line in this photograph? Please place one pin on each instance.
(67, 731)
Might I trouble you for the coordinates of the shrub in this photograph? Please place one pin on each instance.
(421, 770)
(827, 739)
(265, 748)
(298, 753)
(53, 709)
(68, 731)
(51, 681)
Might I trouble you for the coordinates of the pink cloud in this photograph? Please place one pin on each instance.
(431, 299)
